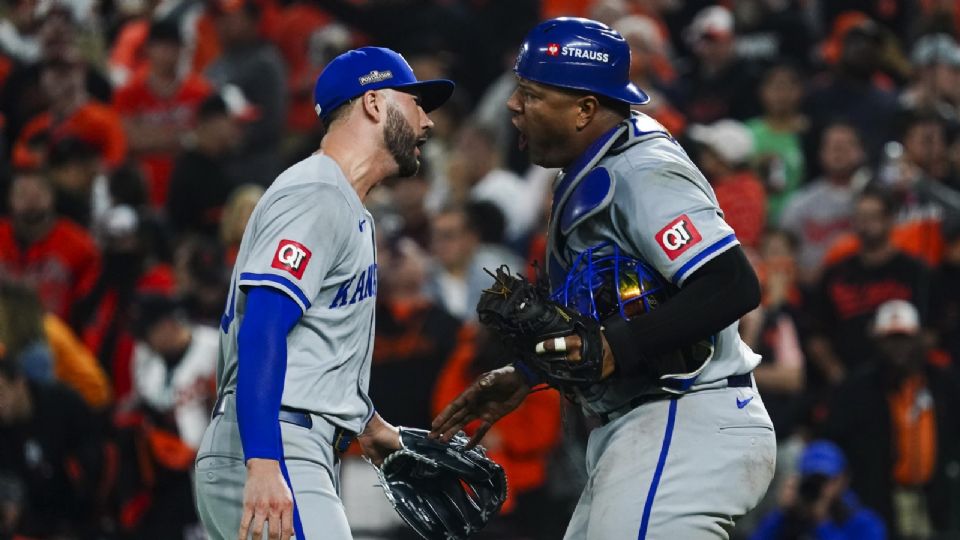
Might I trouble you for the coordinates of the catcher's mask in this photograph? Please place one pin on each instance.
(603, 281)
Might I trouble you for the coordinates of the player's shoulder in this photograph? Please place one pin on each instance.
(314, 180)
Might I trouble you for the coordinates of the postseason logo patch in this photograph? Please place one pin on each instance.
(292, 257)
(678, 237)
(375, 76)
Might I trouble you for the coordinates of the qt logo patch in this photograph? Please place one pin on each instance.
(553, 49)
(292, 257)
(678, 237)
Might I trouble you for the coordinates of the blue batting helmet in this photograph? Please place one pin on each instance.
(579, 54)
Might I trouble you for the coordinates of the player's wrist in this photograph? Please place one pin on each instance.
(262, 465)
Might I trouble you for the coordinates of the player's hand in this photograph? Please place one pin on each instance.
(266, 499)
(489, 398)
(379, 439)
(571, 348)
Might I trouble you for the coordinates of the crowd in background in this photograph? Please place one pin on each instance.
(136, 136)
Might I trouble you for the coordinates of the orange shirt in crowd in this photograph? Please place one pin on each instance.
(919, 239)
(915, 433)
(744, 203)
(137, 102)
(62, 267)
(75, 365)
(520, 441)
(93, 123)
(129, 52)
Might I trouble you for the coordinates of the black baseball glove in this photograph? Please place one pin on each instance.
(442, 490)
(521, 313)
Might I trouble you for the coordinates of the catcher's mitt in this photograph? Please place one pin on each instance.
(522, 313)
(441, 490)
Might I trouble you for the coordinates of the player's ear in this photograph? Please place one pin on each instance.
(587, 107)
(373, 105)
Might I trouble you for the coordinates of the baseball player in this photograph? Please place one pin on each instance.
(680, 454)
(297, 331)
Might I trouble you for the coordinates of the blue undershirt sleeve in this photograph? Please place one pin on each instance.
(262, 365)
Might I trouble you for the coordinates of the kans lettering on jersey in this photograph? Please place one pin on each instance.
(678, 236)
(356, 289)
(292, 257)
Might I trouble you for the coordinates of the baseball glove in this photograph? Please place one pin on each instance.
(441, 490)
(522, 314)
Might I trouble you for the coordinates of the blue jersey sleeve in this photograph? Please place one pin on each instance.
(262, 366)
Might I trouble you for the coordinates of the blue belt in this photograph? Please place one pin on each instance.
(733, 381)
(298, 417)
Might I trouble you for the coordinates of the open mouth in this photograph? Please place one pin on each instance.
(420, 142)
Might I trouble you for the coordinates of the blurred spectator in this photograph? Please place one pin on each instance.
(18, 32)
(131, 265)
(897, 421)
(47, 349)
(201, 183)
(723, 150)
(202, 280)
(945, 317)
(256, 68)
(174, 368)
(849, 91)
(55, 256)
(777, 136)
(413, 338)
(771, 29)
(853, 288)
(650, 69)
(822, 210)
(53, 446)
(457, 277)
(23, 95)
(819, 505)
(771, 331)
(475, 173)
(408, 199)
(936, 81)
(75, 172)
(718, 84)
(158, 106)
(928, 208)
(236, 214)
(523, 452)
(71, 113)
(309, 40)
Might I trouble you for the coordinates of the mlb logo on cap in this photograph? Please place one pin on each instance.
(373, 68)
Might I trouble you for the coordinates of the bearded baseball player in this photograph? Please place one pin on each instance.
(297, 332)
(649, 282)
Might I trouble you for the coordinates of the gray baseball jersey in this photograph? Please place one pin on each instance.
(637, 189)
(687, 466)
(311, 238)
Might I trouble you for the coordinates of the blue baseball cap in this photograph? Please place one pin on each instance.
(373, 68)
(822, 457)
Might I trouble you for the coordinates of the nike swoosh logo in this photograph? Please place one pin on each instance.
(743, 403)
(362, 221)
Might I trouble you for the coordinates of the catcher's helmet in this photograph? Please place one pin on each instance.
(603, 282)
(579, 54)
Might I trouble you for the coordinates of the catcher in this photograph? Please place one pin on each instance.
(639, 321)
